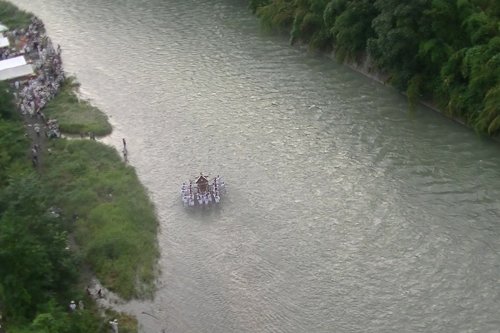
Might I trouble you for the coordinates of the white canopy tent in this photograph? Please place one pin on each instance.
(3, 27)
(12, 62)
(16, 72)
(15, 67)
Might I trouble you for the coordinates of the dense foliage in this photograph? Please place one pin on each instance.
(37, 272)
(444, 51)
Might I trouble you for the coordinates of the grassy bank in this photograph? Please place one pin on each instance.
(76, 116)
(116, 225)
(116, 228)
(38, 276)
(13, 17)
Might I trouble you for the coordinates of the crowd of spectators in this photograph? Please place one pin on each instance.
(34, 92)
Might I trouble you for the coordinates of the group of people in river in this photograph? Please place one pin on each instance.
(203, 192)
(33, 93)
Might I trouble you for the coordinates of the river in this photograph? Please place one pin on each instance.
(346, 212)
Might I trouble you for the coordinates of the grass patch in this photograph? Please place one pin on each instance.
(53, 317)
(116, 228)
(13, 17)
(76, 116)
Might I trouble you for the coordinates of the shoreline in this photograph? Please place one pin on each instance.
(381, 78)
(107, 212)
(366, 69)
(428, 104)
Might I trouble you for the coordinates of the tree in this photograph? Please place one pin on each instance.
(395, 44)
(353, 27)
(34, 262)
(309, 26)
(13, 145)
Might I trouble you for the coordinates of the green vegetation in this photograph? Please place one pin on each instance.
(76, 116)
(13, 143)
(33, 252)
(36, 271)
(115, 231)
(444, 51)
(13, 17)
(116, 227)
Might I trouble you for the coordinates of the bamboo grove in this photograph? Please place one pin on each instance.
(446, 52)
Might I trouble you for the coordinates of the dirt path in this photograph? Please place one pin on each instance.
(35, 130)
(37, 144)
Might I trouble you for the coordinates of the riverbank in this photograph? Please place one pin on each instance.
(93, 195)
(456, 74)
(369, 71)
(365, 66)
(116, 223)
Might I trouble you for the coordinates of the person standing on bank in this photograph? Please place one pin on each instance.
(114, 325)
